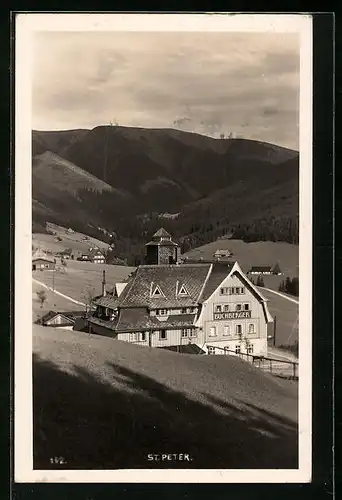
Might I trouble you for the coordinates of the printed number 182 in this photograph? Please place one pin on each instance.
(57, 460)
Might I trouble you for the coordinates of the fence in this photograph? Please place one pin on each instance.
(277, 367)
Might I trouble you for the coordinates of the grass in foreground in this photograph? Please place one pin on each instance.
(106, 404)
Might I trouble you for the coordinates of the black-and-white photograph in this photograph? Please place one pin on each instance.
(166, 185)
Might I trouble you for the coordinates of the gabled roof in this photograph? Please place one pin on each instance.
(70, 315)
(161, 233)
(137, 292)
(218, 274)
(95, 251)
(40, 255)
(161, 237)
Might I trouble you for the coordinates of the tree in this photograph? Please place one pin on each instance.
(221, 136)
(276, 269)
(281, 286)
(88, 296)
(260, 281)
(42, 297)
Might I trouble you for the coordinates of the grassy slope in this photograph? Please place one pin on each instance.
(287, 318)
(63, 174)
(54, 302)
(81, 275)
(107, 404)
(74, 241)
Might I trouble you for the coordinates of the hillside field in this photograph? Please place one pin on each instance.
(81, 276)
(106, 404)
(75, 241)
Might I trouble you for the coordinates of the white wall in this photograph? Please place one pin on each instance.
(259, 338)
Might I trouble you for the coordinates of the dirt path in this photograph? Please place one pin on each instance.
(58, 293)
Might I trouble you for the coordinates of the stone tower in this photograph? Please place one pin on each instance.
(162, 250)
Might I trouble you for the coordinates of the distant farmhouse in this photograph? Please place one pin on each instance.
(65, 319)
(221, 254)
(260, 270)
(170, 305)
(265, 270)
(94, 255)
(40, 261)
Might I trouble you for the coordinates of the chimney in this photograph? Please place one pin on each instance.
(104, 292)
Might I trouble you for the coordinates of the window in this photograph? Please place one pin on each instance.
(157, 292)
(246, 307)
(226, 330)
(250, 349)
(226, 350)
(226, 308)
(184, 332)
(242, 290)
(162, 312)
(212, 331)
(223, 291)
(133, 337)
(211, 350)
(143, 336)
(251, 328)
(238, 307)
(218, 309)
(237, 349)
(162, 335)
(184, 310)
(193, 332)
(183, 290)
(238, 329)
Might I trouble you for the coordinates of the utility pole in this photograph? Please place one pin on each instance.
(274, 331)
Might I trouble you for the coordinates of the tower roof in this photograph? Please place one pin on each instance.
(161, 234)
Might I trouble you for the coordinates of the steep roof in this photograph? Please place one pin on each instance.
(161, 233)
(169, 279)
(161, 237)
(260, 268)
(218, 274)
(71, 315)
(39, 254)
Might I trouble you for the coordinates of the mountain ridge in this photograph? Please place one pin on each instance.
(218, 182)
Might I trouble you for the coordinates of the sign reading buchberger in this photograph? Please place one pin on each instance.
(232, 315)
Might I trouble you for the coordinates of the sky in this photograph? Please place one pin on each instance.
(209, 83)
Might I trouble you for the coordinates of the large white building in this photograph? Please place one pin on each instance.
(207, 305)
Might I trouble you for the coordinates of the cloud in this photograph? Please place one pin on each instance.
(207, 82)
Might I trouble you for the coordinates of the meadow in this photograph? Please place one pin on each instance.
(74, 241)
(105, 404)
(79, 277)
(259, 253)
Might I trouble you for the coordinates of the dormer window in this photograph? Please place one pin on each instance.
(162, 312)
(157, 292)
(183, 291)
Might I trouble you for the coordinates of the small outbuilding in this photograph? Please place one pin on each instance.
(41, 261)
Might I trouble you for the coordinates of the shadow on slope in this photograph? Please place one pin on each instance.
(97, 424)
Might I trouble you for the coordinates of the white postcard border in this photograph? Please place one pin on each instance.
(26, 25)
